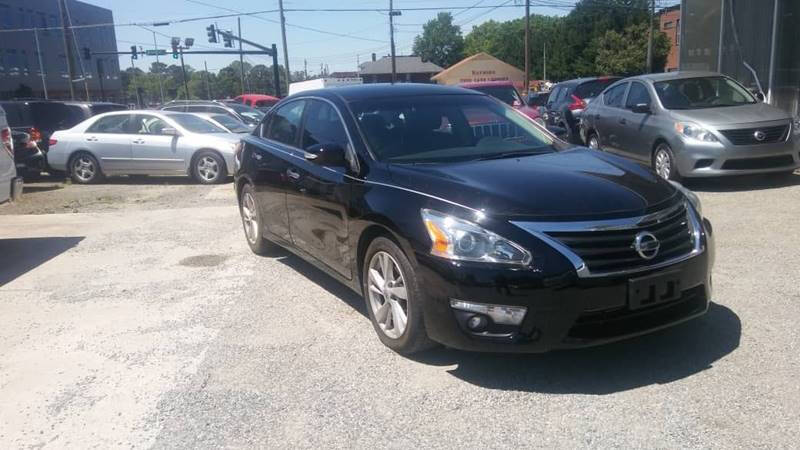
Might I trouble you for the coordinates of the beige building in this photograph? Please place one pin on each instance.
(478, 68)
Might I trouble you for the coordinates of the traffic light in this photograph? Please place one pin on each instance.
(226, 38)
(175, 43)
(212, 34)
(134, 54)
(87, 53)
(188, 42)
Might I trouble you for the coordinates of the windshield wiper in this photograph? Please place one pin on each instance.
(514, 154)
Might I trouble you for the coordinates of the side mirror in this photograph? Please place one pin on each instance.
(641, 108)
(169, 131)
(330, 155)
(760, 97)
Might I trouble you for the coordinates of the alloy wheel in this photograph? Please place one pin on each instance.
(250, 217)
(208, 168)
(388, 295)
(84, 169)
(663, 163)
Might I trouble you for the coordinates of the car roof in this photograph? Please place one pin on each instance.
(678, 75)
(477, 84)
(357, 92)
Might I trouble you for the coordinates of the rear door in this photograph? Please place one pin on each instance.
(270, 164)
(152, 151)
(317, 196)
(607, 118)
(109, 139)
(636, 129)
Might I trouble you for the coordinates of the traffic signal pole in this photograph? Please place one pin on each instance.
(183, 69)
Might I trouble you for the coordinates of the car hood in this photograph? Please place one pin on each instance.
(732, 115)
(577, 184)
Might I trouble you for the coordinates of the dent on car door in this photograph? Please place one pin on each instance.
(109, 139)
(269, 167)
(317, 195)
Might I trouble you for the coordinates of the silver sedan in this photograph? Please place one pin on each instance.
(144, 143)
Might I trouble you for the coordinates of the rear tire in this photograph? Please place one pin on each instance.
(398, 321)
(84, 169)
(664, 163)
(251, 222)
(209, 168)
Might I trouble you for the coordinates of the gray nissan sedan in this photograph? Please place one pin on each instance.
(690, 124)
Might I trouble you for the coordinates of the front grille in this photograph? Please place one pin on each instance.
(612, 250)
(747, 136)
(767, 162)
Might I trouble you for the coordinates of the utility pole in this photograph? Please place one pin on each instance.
(544, 61)
(527, 50)
(285, 52)
(41, 67)
(160, 83)
(101, 73)
(183, 69)
(208, 86)
(650, 37)
(241, 55)
(135, 88)
(392, 13)
(67, 48)
(85, 79)
(305, 68)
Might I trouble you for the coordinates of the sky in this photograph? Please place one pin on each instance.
(366, 32)
(355, 35)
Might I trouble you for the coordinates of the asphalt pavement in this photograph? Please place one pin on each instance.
(154, 326)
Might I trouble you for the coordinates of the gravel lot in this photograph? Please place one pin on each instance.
(137, 317)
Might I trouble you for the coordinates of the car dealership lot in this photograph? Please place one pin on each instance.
(137, 316)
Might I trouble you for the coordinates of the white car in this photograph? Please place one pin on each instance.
(226, 122)
(144, 143)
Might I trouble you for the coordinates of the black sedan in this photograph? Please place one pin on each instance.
(462, 222)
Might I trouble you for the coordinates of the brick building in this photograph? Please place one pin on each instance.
(669, 22)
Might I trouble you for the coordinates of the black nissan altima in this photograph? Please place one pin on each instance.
(462, 222)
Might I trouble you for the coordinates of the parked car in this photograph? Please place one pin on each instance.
(245, 114)
(258, 101)
(144, 143)
(481, 238)
(506, 93)
(10, 184)
(225, 122)
(689, 124)
(538, 99)
(568, 99)
(41, 118)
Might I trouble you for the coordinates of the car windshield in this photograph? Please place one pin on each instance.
(230, 123)
(447, 128)
(251, 115)
(702, 92)
(195, 124)
(506, 94)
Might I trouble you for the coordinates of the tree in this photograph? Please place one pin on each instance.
(441, 41)
(626, 53)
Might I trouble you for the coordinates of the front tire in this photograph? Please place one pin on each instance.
(209, 168)
(393, 298)
(593, 141)
(84, 169)
(251, 222)
(664, 163)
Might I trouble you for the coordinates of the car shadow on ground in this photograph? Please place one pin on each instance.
(742, 182)
(19, 256)
(662, 357)
(658, 358)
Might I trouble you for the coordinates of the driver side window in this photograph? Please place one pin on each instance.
(150, 125)
(284, 127)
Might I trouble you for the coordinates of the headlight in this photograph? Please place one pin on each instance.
(695, 131)
(461, 240)
(796, 126)
(691, 196)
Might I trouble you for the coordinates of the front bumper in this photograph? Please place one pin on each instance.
(563, 311)
(720, 159)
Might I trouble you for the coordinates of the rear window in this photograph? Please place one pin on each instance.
(57, 116)
(592, 89)
(17, 114)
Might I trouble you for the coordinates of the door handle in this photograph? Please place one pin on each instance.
(623, 121)
(293, 174)
(91, 139)
(138, 141)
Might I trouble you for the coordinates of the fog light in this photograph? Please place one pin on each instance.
(477, 323)
(500, 314)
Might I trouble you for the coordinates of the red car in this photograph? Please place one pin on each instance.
(506, 93)
(257, 100)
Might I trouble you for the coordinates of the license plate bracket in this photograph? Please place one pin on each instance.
(652, 290)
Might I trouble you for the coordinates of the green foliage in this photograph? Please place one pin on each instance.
(573, 41)
(441, 42)
(624, 53)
